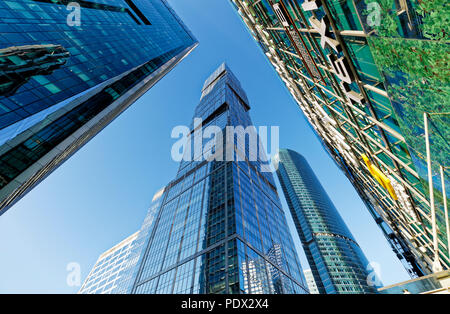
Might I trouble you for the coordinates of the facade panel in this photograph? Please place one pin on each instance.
(61, 82)
(221, 227)
(310, 281)
(107, 273)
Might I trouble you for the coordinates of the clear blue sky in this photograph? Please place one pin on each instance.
(100, 195)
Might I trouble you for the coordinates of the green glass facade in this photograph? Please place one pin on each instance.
(363, 73)
(220, 227)
(337, 263)
(62, 83)
(110, 269)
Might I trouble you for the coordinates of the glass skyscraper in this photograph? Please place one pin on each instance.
(364, 73)
(135, 259)
(67, 69)
(107, 273)
(220, 227)
(337, 263)
(114, 271)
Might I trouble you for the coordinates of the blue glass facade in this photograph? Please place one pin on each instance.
(337, 263)
(61, 84)
(220, 227)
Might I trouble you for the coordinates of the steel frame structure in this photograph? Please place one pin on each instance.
(350, 130)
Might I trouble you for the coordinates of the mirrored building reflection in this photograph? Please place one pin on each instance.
(19, 64)
(61, 82)
(220, 227)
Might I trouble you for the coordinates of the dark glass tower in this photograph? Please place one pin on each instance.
(60, 84)
(220, 227)
(337, 262)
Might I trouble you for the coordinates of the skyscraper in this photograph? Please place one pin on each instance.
(220, 227)
(109, 269)
(114, 271)
(137, 253)
(67, 69)
(337, 263)
(366, 74)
